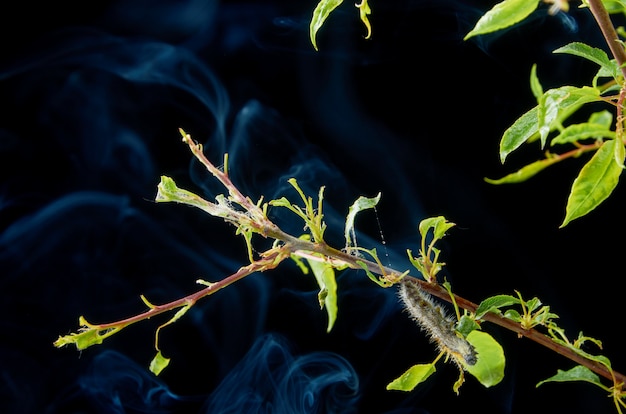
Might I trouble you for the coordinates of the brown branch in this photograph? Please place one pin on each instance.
(608, 31)
(270, 261)
(441, 293)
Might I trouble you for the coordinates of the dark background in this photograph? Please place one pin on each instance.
(93, 95)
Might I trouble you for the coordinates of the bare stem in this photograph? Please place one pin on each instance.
(270, 261)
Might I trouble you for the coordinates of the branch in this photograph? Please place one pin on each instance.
(608, 31)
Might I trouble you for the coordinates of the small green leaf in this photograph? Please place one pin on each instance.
(522, 130)
(513, 315)
(595, 182)
(325, 276)
(440, 225)
(578, 132)
(321, 12)
(87, 336)
(525, 172)
(556, 105)
(412, 377)
(168, 191)
(489, 369)
(158, 363)
(494, 303)
(603, 118)
(578, 373)
(503, 15)
(362, 203)
(535, 85)
(364, 11)
(466, 325)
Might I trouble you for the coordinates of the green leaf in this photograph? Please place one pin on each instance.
(362, 203)
(579, 132)
(595, 182)
(535, 85)
(513, 315)
(168, 191)
(593, 54)
(494, 303)
(489, 368)
(555, 105)
(158, 363)
(87, 336)
(412, 377)
(466, 325)
(440, 225)
(325, 276)
(578, 373)
(321, 12)
(603, 118)
(503, 15)
(364, 11)
(525, 172)
(522, 130)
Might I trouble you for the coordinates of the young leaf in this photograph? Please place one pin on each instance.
(535, 85)
(522, 130)
(579, 132)
(595, 182)
(578, 373)
(555, 105)
(359, 205)
(466, 325)
(494, 303)
(364, 11)
(438, 224)
(603, 118)
(489, 369)
(321, 12)
(87, 336)
(158, 363)
(502, 15)
(325, 276)
(525, 172)
(412, 377)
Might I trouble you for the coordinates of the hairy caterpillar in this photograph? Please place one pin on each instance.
(433, 320)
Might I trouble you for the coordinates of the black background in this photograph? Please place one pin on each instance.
(93, 96)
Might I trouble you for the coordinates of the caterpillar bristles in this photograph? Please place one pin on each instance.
(434, 321)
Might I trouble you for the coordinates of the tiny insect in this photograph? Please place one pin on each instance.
(434, 321)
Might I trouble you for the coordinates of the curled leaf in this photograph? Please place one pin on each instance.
(158, 363)
(362, 203)
(364, 11)
(87, 336)
(320, 14)
(325, 276)
(412, 377)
